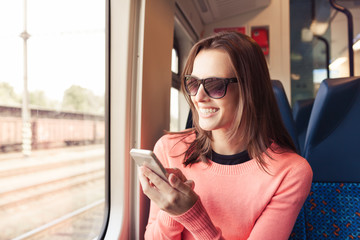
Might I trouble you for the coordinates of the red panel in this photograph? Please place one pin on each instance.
(261, 36)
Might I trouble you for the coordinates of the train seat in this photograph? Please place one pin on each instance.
(333, 134)
(301, 114)
(189, 121)
(332, 210)
(285, 111)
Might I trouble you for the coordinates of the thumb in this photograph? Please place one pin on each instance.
(190, 183)
(176, 183)
(174, 180)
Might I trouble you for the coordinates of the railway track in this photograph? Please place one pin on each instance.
(63, 227)
(52, 189)
(14, 164)
(33, 192)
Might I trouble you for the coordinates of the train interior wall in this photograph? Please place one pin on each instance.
(158, 29)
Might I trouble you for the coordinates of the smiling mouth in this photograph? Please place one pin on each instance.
(208, 110)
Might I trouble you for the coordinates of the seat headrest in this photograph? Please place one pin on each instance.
(333, 137)
(285, 111)
(301, 113)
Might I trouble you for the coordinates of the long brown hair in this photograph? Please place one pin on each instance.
(258, 112)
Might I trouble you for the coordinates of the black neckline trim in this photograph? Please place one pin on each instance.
(234, 159)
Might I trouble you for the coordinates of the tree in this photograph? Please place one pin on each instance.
(8, 95)
(79, 99)
(39, 99)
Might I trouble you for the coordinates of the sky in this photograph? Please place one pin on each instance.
(66, 46)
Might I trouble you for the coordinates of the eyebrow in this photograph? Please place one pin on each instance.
(210, 77)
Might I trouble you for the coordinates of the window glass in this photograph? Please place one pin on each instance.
(174, 61)
(174, 109)
(319, 44)
(52, 121)
(174, 94)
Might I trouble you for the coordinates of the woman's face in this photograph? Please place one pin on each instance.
(215, 114)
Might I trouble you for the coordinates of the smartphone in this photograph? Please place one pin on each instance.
(147, 158)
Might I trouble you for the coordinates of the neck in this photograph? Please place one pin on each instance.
(223, 145)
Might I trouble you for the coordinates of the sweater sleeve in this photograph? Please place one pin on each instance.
(279, 216)
(160, 225)
(197, 221)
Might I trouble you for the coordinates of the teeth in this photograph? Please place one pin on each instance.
(207, 110)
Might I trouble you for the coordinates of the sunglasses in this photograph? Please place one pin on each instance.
(214, 87)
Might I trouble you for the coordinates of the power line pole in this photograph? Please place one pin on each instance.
(25, 112)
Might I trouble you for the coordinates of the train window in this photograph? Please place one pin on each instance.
(174, 110)
(174, 94)
(174, 61)
(52, 119)
(319, 45)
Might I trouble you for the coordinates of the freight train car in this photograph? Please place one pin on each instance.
(50, 129)
(11, 133)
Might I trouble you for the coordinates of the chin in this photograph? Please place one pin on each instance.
(206, 129)
(207, 126)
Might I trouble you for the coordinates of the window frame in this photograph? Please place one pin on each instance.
(122, 33)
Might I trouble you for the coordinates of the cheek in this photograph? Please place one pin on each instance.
(231, 105)
(232, 98)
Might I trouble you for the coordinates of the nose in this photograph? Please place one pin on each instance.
(201, 94)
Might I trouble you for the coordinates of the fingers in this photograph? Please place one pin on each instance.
(147, 177)
(177, 172)
(149, 180)
(182, 177)
(190, 183)
(174, 196)
(188, 196)
(184, 187)
(154, 179)
(147, 186)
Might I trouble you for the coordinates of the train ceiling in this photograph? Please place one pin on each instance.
(214, 10)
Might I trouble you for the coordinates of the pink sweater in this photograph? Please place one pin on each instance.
(235, 201)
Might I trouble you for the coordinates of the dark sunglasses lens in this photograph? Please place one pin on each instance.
(215, 87)
(191, 85)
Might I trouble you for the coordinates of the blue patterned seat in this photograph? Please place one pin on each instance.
(333, 211)
(299, 230)
(332, 147)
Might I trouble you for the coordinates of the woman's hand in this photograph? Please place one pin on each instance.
(175, 197)
(181, 176)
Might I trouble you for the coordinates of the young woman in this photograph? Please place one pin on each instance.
(236, 174)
